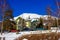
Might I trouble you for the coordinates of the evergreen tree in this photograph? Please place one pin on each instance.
(40, 24)
(55, 22)
(7, 23)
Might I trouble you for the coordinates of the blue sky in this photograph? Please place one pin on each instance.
(31, 6)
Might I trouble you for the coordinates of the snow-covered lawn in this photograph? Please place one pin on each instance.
(13, 36)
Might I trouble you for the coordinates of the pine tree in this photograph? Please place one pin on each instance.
(7, 23)
(55, 22)
(41, 22)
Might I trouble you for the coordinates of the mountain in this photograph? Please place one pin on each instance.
(32, 16)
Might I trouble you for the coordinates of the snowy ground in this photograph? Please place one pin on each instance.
(13, 36)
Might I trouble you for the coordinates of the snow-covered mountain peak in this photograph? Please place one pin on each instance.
(27, 15)
(32, 16)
